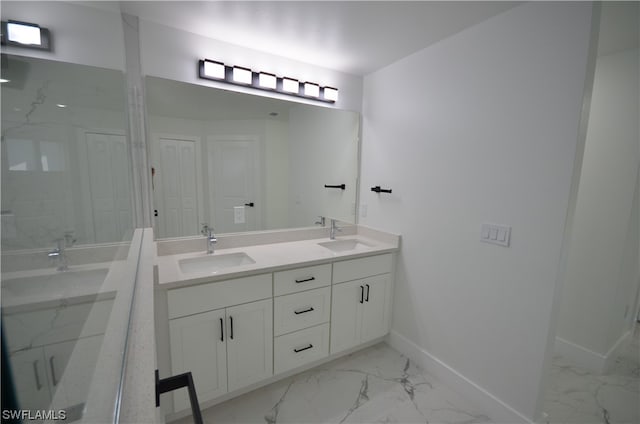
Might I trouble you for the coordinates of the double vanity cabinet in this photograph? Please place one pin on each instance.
(239, 332)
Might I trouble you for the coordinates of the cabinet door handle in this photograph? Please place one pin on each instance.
(361, 294)
(368, 288)
(221, 330)
(231, 322)
(303, 348)
(53, 371)
(304, 280)
(303, 311)
(36, 375)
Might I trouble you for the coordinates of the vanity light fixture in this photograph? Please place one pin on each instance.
(2, 80)
(331, 94)
(212, 69)
(311, 89)
(239, 75)
(242, 75)
(266, 80)
(290, 85)
(25, 34)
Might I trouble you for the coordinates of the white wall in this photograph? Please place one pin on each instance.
(81, 34)
(599, 291)
(323, 150)
(174, 54)
(276, 175)
(480, 127)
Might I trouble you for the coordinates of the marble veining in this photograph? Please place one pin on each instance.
(576, 395)
(375, 385)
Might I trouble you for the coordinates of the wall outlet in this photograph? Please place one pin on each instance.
(496, 234)
(238, 215)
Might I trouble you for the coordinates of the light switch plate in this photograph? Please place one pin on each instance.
(496, 234)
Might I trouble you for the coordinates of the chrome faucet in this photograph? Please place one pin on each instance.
(59, 255)
(334, 228)
(211, 238)
(321, 222)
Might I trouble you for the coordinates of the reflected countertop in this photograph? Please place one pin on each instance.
(44, 288)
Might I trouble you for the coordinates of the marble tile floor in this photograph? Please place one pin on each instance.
(374, 385)
(577, 396)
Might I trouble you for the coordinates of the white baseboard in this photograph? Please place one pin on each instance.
(586, 358)
(610, 357)
(497, 410)
(582, 356)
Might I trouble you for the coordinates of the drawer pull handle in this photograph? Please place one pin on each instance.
(303, 348)
(303, 311)
(231, 321)
(368, 288)
(53, 371)
(304, 280)
(35, 373)
(361, 294)
(221, 330)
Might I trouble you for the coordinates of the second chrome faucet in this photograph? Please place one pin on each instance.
(211, 238)
(334, 228)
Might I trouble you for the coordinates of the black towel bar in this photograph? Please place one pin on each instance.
(340, 186)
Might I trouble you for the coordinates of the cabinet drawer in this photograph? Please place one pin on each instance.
(299, 348)
(301, 310)
(295, 280)
(207, 297)
(362, 267)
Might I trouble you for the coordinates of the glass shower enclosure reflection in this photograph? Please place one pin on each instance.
(69, 249)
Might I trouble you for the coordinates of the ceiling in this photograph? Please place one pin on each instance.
(355, 37)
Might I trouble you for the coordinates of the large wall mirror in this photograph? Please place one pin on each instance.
(65, 167)
(241, 162)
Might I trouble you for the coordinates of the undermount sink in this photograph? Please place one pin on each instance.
(57, 283)
(348, 245)
(214, 263)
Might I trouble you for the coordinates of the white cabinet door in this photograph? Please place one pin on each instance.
(346, 315)
(359, 311)
(375, 318)
(249, 343)
(198, 345)
(30, 379)
(70, 384)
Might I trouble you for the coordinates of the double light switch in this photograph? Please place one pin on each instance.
(496, 234)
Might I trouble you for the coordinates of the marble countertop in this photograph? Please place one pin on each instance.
(273, 257)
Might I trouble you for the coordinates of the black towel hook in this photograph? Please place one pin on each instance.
(377, 189)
